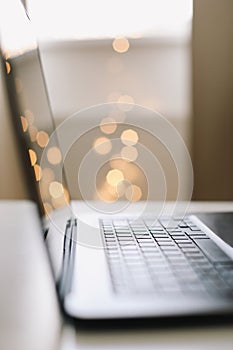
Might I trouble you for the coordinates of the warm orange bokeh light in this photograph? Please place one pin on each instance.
(24, 123)
(38, 172)
(129, 137)
(33, 133)
(42, 138)
(108, 126)
(8, 67)
(120, 44)
(32, 156)
(133, 193)
(54, 155)
(56, 189)
(114, 177)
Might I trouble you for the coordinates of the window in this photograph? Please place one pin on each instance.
(92, 19)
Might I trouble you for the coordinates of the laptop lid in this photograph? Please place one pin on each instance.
(31, 112)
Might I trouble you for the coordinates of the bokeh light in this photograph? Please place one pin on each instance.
(129, 153)
(42, 138)
(102, 145)
(32, 132)
(38, 172)
(129, 137)
(107, 193)
(108, 125)
(29, 116)
(114, 177)
(133, 193)
(54, 155)
(48, 175)
(32, 156)
(56, 189)
(8, 67)
(44, 189)
(120, 44)
(126, 102)
(122, 187)
(24, 123)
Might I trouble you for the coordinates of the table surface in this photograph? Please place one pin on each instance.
(30, 317)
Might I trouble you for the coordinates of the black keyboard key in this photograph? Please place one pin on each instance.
(212, 250)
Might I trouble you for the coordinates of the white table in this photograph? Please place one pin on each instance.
(29, 313)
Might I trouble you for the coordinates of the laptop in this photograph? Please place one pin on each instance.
(107, 265)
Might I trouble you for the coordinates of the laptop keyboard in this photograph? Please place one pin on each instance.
(164, 256)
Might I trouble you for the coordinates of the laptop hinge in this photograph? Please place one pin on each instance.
(69, 245)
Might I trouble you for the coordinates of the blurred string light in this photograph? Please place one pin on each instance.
(120, 181)
(60, 201)
(117, 163)
(59, 195)
(53, 194)
(129, 137)
(44, 189)
(120, 44)
(108, 125)
(42, 138)
(114, 177)
(102, 145)
(107, 193)
(29, 116)
(129, 153)
(24, 123)
(32, 156)
(121, 187)
(126, 102)
(48, 175)
(126, 99)
(8, 67)
(33, 132)
(38, 172)
(133, 193)
(54, 155)
(56, 189)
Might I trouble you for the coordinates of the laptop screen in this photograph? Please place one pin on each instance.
(31, 110)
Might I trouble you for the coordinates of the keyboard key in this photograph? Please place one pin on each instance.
(163, 239)
(212, 250)
(180, 241)
(129, 247)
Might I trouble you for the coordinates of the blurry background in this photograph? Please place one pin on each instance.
(173, 56)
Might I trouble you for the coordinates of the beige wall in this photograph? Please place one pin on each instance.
(213, 98)
(11, 177)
